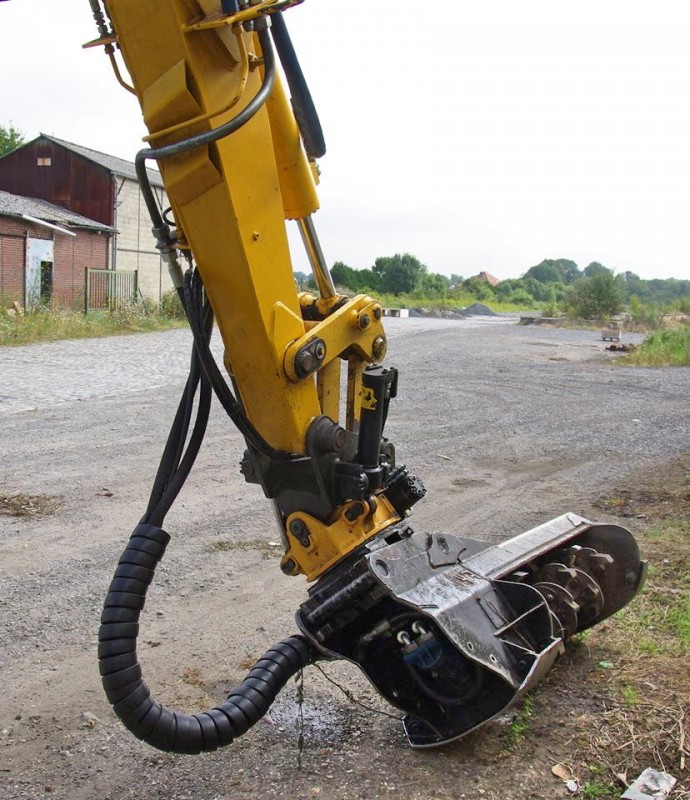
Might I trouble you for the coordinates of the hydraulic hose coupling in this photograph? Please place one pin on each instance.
(166, 245)
(175, 731)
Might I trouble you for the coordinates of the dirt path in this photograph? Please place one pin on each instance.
(508, 426)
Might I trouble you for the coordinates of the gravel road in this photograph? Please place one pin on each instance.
(507, 425)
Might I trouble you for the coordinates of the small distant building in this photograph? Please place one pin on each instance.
(486, 277)
(45, 250)
(99, 187)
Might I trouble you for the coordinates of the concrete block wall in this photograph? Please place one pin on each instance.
(135, 243)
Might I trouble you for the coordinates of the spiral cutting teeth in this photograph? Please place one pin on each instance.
(572, 587)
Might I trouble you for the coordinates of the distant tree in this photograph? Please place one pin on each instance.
(455, 279)
(301, 278)
(631, 284)
(507, 287)
(521, 298)
(343, 275)
(547, 271)
(356, 280)
(10, 139)
(595, 268)
(399, 273)
(482, 290)
(434, 284)
(598, 296)
(570, 270)
(539, 291)
(554, 270)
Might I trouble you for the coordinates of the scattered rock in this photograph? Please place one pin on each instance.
(622, 348)
(651, 785)
(89, 720)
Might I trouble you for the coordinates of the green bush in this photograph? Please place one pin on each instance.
(645, 314)
(171, 306)
(665, 347)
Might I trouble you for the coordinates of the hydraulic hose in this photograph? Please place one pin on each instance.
(302, 104)
(161, 727)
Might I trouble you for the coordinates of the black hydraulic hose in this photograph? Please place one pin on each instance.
(191, 289)
(302, 103)
(161, 727)
(180, 476)
(169, 730)
(169, 467)
(176, 438)
(208, 137)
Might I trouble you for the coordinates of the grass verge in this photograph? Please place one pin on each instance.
(48, 325)
(665, 347)
(641, 656)
(618, 701)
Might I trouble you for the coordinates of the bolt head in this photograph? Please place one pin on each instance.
(379, 347)
(364, 321)
(304, 363)
(339, 439)
(288, 567)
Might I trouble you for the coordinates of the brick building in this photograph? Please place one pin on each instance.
(100, 187)
(45, 249)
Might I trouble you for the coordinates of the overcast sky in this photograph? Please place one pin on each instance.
(475, 134)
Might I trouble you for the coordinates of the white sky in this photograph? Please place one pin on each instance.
(476, 134)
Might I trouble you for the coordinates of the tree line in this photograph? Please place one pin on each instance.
(554, 284)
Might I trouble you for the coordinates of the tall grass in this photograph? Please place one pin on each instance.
(665, 347)
(49, 324)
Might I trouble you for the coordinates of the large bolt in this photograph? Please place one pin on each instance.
(364, 321)
(300, 531)
(339, 439)
(288, 567)
(379, 347)
(304, 363)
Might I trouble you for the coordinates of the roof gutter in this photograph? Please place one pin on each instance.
(57, 228)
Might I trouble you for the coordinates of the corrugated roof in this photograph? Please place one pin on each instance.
(14, 205)
(118, 166)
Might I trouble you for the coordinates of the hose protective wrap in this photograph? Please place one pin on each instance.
(161, 727)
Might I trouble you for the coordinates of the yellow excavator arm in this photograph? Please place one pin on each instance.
(449, 629)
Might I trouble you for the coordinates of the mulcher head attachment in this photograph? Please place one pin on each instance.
(454, 630)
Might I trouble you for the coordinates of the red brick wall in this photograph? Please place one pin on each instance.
(71, 255)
